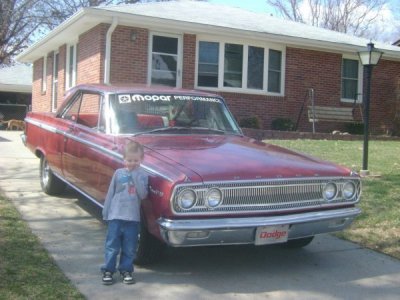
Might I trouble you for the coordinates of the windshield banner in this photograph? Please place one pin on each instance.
(129, 98)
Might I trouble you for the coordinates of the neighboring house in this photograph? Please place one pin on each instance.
(263, 66)
(15, 91)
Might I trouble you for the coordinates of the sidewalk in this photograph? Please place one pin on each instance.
(72, 232)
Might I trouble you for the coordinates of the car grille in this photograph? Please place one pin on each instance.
(266, 196)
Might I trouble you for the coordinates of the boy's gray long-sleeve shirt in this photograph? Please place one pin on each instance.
(127, 189)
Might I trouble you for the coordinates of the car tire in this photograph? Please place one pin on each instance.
(50, 184)
(298, 243)
(150, 250)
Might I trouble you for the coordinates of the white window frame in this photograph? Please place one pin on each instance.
(44, 75)
(54, 82)
(68, 82)
(179, 56)
(359, 83)
(245, 44)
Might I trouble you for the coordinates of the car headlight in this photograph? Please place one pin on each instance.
(348, 190)
(330, 191)
(213, 197)
(187, 199)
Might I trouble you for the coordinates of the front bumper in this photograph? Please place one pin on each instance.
(23, 138)
(231, 231)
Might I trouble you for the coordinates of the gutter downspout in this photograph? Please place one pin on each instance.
(107, 59)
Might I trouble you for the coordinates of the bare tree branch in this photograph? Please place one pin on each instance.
(348, 16)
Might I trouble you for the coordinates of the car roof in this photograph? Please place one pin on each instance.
(136, 88)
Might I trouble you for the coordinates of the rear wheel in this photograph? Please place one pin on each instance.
(50, 184)
(298, 243)
(150, 249)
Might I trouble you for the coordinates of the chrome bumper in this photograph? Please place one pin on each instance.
(230, 231)
(23, 138)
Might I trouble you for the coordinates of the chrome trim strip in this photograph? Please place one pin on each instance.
(93, 145)
(232, 223)
(236, 182)
(42, 125)
(211, 232)
(23, 138)
(78, 190)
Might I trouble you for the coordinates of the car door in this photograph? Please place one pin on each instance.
(87, 162)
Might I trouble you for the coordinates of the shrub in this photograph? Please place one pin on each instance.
(283, 124)
(355, 128)
(250, 122)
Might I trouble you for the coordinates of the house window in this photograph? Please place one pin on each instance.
(44, 75)
(70, 78)
(255, 68)
(54, 93)
(239, 67)
(165, 69)
(208, 64)
(350, 79)
(233, 65)
(274, 71)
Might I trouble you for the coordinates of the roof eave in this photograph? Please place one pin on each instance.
(55, 38)
(15, 88)
(87, 18)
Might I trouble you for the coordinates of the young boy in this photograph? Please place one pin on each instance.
(121, 210)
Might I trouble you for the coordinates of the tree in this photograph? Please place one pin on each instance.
(18, 20)
(59, 11)
(355, 17)
(23, 21)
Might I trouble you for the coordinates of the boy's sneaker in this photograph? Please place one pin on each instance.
(108, 278)
(127, 278)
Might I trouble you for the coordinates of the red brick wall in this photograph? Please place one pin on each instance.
(90, 55)
(129, 58)
(383, 96)
(304, 69)
(321, 71)
(41, 101)
(189, 61)
(312, 69)
(38, 100)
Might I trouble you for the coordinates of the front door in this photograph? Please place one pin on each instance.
(165, 58)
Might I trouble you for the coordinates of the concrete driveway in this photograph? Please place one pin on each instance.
(72, 232)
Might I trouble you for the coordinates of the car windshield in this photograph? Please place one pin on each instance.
(166, 113)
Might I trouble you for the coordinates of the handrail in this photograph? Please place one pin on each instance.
(309, 93)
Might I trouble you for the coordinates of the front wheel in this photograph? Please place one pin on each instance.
(50, 184)
(150, 249)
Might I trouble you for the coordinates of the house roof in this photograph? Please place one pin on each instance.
(199, 17)
(17, 78)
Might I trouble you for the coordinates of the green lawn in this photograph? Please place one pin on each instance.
(378, 227)
(26, 269)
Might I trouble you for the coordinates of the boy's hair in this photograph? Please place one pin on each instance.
(134, 147)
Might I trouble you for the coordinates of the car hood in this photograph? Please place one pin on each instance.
(224, 158)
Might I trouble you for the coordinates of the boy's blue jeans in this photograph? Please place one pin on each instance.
(122, 236)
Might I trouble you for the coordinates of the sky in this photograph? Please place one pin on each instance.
(254, 5)
(388, 27)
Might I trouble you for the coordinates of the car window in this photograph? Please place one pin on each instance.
(71, 112)
(134, 113)
(85, 110)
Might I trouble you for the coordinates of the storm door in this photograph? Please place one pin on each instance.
(165, 60)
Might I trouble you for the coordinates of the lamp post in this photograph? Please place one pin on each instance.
(369, 59)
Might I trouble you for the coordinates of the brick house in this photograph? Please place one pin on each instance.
(263, 66)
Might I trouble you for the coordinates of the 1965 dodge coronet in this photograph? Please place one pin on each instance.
(208, 185)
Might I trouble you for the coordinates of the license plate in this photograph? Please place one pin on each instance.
(271, 234)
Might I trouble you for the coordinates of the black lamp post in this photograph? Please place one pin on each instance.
(369, 59)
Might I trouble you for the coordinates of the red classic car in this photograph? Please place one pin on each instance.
(208, 184)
